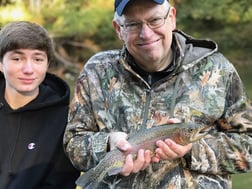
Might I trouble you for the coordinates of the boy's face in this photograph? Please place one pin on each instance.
(24, 70)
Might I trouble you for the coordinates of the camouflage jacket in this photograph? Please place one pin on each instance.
(203, 86)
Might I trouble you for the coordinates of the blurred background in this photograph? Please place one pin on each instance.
(81, 28)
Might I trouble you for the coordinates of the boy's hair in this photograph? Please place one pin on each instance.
(25, 35)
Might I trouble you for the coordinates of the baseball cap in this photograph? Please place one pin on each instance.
(121, 4)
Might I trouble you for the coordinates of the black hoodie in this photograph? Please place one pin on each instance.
(31, 151)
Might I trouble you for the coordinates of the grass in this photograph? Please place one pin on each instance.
(242, 181)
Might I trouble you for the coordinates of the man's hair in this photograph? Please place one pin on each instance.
(25, 35)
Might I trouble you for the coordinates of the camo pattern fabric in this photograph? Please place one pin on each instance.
(203, 87)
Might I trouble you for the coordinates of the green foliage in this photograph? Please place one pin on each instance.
(226, 11)
(76, 18)
(228, 22)
(11, 12)
(106, 37)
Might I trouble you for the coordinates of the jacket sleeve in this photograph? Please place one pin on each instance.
(85, 139)
(228, 148)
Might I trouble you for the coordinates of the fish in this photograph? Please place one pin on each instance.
(113, 161)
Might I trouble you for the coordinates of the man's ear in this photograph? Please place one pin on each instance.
(172, 16)
(117, 29)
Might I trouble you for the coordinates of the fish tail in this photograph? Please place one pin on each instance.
(92, 178)
(86, 180)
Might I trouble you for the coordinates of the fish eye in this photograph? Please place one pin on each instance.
(190, 129)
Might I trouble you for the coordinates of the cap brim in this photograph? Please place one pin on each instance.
(122, 5)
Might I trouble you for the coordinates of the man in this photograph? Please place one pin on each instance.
(33, 112)
(160, 76)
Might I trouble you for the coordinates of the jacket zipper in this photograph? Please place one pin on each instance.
(147, 104)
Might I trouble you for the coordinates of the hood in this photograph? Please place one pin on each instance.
(53, 92)
(191, 50)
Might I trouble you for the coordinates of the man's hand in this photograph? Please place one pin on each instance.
(132, 165)
(115, 138)
(169, 150)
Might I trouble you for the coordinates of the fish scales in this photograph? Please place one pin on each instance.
(112, 163)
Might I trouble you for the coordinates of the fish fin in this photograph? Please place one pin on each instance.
(114, 171)
(85, 180)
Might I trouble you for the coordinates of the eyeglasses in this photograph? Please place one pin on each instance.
(153, 23)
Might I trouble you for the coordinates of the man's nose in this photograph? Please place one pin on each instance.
(145, 31)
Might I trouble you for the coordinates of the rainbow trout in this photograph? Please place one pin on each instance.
(113, 162)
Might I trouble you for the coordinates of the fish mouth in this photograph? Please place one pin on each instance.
(201, 132)
(205, 129)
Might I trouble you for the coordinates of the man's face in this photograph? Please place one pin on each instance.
(150, 47)
(24, 70)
